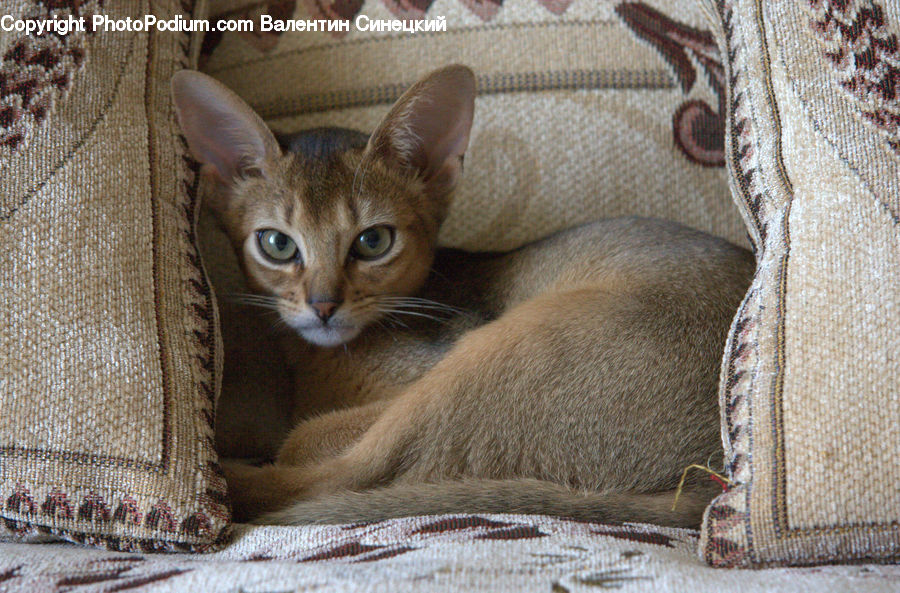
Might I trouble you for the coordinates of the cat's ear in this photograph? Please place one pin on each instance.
(223, 132)
(427, 130)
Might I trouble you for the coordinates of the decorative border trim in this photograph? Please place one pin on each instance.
(741, 155)
(726, 536)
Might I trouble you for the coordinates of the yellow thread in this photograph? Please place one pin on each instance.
(684, 475)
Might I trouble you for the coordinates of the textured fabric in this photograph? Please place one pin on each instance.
(497, 553)
(108, 338)
(585, 110)
(810, 396)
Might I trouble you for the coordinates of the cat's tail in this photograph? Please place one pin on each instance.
(521, 496)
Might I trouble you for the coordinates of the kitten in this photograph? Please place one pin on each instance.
(575, 376)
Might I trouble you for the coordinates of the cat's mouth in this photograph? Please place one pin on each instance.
(332, 331)
(328, 334)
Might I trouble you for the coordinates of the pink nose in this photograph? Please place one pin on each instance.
(324, 309)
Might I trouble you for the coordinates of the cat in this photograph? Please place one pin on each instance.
(575, 376)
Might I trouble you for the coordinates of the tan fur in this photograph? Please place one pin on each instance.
(575, 376)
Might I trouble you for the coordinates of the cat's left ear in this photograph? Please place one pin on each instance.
(428, 128)
(224, 133)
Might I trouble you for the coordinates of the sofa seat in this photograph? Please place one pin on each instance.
(497, 553)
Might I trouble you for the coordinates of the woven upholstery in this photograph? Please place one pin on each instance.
(110, 352)
(811, 380)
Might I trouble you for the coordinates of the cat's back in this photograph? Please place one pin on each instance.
(628, 253)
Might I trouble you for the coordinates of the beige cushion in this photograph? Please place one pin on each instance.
(109, 350)
(811, 383)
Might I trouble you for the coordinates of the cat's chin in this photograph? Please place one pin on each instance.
(328, 336)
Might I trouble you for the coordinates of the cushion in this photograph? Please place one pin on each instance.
(109, 352)
(810, 398)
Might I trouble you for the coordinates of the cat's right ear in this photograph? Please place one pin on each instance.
(223, 132)
(427, 129)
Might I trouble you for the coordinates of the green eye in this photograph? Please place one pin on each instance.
(277, 246)
(373, 243)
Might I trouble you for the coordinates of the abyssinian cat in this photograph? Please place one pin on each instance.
(574, 376)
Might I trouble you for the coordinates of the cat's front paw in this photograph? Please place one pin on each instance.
(242, 480)
(255, 490)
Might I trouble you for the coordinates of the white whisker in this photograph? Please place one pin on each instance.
(420, 302)
(254, 299)
(415, 314)
(393, 319)
(383, 324)
(445, 310)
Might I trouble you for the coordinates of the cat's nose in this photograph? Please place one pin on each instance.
(324, 309)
